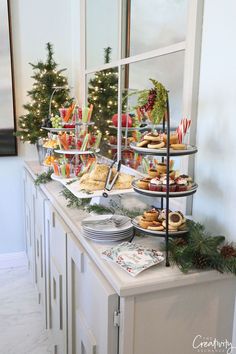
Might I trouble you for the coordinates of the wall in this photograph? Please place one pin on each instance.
(215, 202)
(33, 24)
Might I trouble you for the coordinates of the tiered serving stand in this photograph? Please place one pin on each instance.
(77, 153)
(164, 153)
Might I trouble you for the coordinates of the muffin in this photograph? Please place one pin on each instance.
(172, 185)
(155, 185)
(181, 184)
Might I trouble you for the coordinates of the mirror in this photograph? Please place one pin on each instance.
(7, 111)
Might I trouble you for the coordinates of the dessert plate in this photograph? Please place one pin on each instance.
(56, 130)
(163, 194)
(155, 233)
(191, 149)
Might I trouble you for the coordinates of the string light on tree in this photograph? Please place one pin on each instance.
(47, 77)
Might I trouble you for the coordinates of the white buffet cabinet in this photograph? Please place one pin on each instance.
(92, 307)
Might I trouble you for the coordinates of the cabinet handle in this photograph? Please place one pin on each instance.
(53, 219)
(41, 251)
(60, 302)
(55, 349)
(37, 248)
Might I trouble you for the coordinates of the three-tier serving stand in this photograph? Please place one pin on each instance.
(165, 153)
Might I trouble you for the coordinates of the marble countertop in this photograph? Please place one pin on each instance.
(156, 278)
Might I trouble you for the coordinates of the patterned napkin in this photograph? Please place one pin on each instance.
(132, 257)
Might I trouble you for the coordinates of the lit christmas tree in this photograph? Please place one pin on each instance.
(47, 78)
(103, 94)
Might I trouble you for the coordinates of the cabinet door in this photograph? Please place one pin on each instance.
(58, 280)
(29, 195)
(91, 305)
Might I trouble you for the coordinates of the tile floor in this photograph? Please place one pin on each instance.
(21, 320)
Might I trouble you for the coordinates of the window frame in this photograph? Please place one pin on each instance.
(191, 47)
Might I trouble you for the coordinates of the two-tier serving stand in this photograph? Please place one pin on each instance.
(165, 153)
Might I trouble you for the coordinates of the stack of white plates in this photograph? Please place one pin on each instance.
(107, 232)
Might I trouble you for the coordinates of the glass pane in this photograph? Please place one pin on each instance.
(155, 24)
(102, 92)
(101, 31)
(136, 77)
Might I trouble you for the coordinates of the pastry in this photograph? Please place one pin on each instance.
(99, 172)
(156, 145)
(173, 138)
(183, 217)
(144, 223)
(151, 215)
(123, 181)
(156, 226)
(155, 185)
(161, 167)
(172, 185)
(175, 219)
(152, 172)
(162, 214)
(152, 137)
(142, 143)
(178, 146)
(170, 228)
(143, 183)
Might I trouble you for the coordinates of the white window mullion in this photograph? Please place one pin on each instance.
(191, 82)
(140, 57)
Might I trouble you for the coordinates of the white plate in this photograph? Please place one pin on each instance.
(108, 228)
(99, 236)
(157, 233)
(108, 239)
(76, 152)
(163, 194)
(191, 149)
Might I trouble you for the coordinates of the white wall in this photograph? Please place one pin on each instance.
(215, 202)
(215, 168)
(33, 24)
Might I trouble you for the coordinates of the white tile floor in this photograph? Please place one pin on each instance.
(21, 320)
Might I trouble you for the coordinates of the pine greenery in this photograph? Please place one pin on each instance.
(44, 177)
(201, 250)
(47, 77)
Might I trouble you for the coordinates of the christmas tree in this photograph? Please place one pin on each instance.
(47, 77)
(103, 94)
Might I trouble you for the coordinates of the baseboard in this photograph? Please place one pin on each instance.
(13, 260)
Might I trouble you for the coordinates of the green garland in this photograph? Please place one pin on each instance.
(44, 177)
(200, 250)
(84, 204)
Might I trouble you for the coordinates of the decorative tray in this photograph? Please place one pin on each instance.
(163, 194)
(156, 233)
(74, 187)
(191, 149)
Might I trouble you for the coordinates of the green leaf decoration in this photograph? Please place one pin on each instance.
(44, 177)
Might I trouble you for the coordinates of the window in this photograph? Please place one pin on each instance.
(145, 39)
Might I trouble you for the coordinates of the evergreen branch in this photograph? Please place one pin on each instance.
(44, 177)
